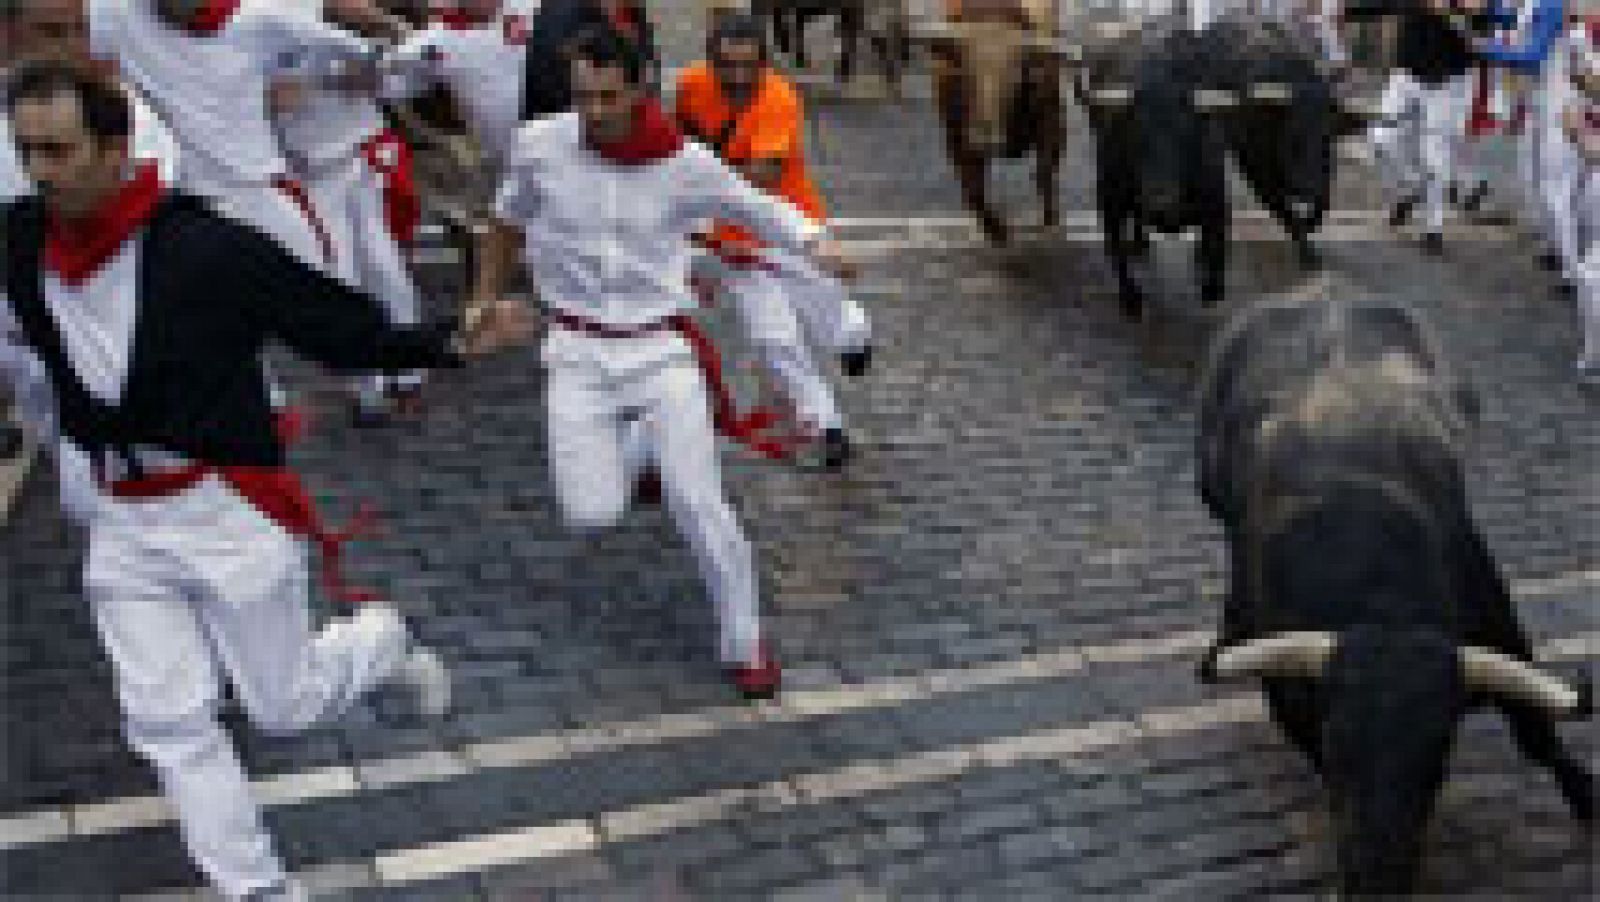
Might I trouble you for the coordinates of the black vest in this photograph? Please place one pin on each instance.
(211, 294)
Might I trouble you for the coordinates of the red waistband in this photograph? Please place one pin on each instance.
(278, 494)
(605, 330)
(755, 429)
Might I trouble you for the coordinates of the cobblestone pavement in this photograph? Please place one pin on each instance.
(990, 620)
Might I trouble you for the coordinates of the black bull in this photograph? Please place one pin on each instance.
(1160, 158)
(1359, 588)
(1283, 128)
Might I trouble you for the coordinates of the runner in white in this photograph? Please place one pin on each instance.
(476, 51)
(602, 202)
(357, 173)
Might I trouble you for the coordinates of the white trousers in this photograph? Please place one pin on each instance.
(609, 398)
(349, 196)
(787, 313)
(1418, 138)
(186, 588)
(1588, 282)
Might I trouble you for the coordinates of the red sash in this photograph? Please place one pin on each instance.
(390, 156)
(279, 494)
(753, 429)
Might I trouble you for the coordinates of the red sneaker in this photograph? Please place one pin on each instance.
(759, 680)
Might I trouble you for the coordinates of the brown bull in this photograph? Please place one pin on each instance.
(999, 95)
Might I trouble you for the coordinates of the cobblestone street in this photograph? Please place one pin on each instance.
(990, 621)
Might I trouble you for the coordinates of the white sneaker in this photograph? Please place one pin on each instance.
(424, 673)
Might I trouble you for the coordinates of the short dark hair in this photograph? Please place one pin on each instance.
(736, 27)
(606, 49)
(106, 112)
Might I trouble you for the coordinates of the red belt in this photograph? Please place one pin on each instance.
(278, 494)
(753, 428)
(737, 255)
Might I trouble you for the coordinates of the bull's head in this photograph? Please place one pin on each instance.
(990, 59)
(1309, 115)
(1381, 705)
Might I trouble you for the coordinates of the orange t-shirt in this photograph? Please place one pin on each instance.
(772, 127)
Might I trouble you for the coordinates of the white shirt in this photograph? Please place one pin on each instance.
(96, 319)
(329, 125)
(14, 181)
(211, 90)
(481, 67)
(610, 243)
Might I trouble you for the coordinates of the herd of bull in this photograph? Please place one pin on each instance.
(1332, 430)
(1168, 107)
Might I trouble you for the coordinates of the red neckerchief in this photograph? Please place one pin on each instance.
(457, 20)
(625, 18)
(652, 139)
(76, 249)
(211, 16)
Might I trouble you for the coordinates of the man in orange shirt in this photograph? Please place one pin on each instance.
(737, 105)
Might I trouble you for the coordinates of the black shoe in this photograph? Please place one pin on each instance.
(855, 363)
(835, 449)
(1474, 201)
(1550, 261)
(12, 441)
(367, 416)
(1401, 214)
(1433, 244)
(1566, 291)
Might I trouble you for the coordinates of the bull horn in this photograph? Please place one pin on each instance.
(1054, 46)
(1110, 31)
(934, 30)
(1506, 677)
(1207, 99)
(1111, 96)
(1272, 92)
(1286, 654)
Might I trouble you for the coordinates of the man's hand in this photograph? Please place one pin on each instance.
(488, 326)
(830, 256)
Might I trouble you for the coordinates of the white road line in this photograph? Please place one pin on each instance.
(48, 825)
(859, 779)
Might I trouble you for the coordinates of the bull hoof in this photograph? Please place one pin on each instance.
(1310, 260)
(1132, 305)
(995, 229)
(1577, 787)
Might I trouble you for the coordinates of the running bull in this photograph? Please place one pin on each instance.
(1360, 591)
(1283, 128)
(997, 87)
(1160, 153)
